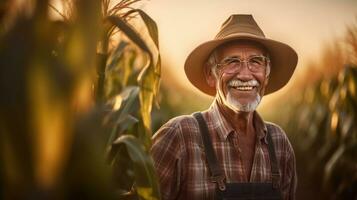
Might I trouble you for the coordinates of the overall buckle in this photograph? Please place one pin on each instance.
(220, 181)
(275, 178)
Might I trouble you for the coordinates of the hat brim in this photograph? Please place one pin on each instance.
(283, 61)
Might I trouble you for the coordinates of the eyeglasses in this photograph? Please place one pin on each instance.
(234, 64)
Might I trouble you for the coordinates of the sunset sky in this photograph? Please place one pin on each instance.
(305, 25)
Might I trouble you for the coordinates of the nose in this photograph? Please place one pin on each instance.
(244, 74)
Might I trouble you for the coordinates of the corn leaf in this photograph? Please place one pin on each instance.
(130, 32)
(153, 32)
(146, 183)
(150, 25)
(149, 78)
(330, 165)
(146, 79)
(122, 117)
(116, 56)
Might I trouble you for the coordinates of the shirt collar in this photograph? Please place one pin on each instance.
(219, 122)
(224, 128)
(260, 127)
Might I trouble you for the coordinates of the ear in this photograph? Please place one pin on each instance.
(267, 76)
(209, 75)
(266, 81)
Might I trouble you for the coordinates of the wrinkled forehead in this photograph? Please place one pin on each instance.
(241, 46)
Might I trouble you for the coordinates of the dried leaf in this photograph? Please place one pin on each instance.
(132, 34)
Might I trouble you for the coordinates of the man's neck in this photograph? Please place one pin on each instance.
(242, 122)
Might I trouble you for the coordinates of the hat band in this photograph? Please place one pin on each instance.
(239, 29)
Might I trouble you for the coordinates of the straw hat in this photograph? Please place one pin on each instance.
(283, 58)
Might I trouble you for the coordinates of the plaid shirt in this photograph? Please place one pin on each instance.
(181, 165)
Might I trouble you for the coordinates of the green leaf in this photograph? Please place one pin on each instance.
(126, 123)
(150, 25)
(149, 77)
(129, 96)
(124, 104)
(116, 56)
(145, 174)
(347, 125)
(132, 34)
(153, 32)
(157, 80)
(123, 124)
(332, 162)
(129, 67)
(147, 81)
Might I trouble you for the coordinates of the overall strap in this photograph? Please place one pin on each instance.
(217, 174)
(275, 175)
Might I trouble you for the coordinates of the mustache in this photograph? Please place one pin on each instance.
(239, 83)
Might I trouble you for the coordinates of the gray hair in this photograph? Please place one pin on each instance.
(212, 62)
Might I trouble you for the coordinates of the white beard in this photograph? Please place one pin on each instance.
(236, 106)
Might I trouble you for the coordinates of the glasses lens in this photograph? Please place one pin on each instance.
(257, 63)
(233, 65)
(230, 65)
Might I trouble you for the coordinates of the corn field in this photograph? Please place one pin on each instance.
(76, 97)
(324, 134)
(321, 121)
(77, 93)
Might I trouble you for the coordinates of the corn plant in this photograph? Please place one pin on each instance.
(322, 127)
(76, 101)
(129, 120)
(327, 133)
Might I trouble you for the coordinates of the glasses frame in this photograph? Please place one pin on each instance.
(221, 66)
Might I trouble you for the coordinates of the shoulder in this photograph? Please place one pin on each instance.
(280, 139)
(176, 126)
(175, 132)
(276, 131)
(183, 121)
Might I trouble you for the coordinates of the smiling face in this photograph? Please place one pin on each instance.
(239, 90)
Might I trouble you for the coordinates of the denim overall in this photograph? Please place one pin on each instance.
(247, 191)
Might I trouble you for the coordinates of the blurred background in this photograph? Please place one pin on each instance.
(81, 95)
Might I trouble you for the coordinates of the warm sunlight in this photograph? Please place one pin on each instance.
(306, 25)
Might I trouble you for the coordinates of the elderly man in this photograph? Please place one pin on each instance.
(228, 151)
